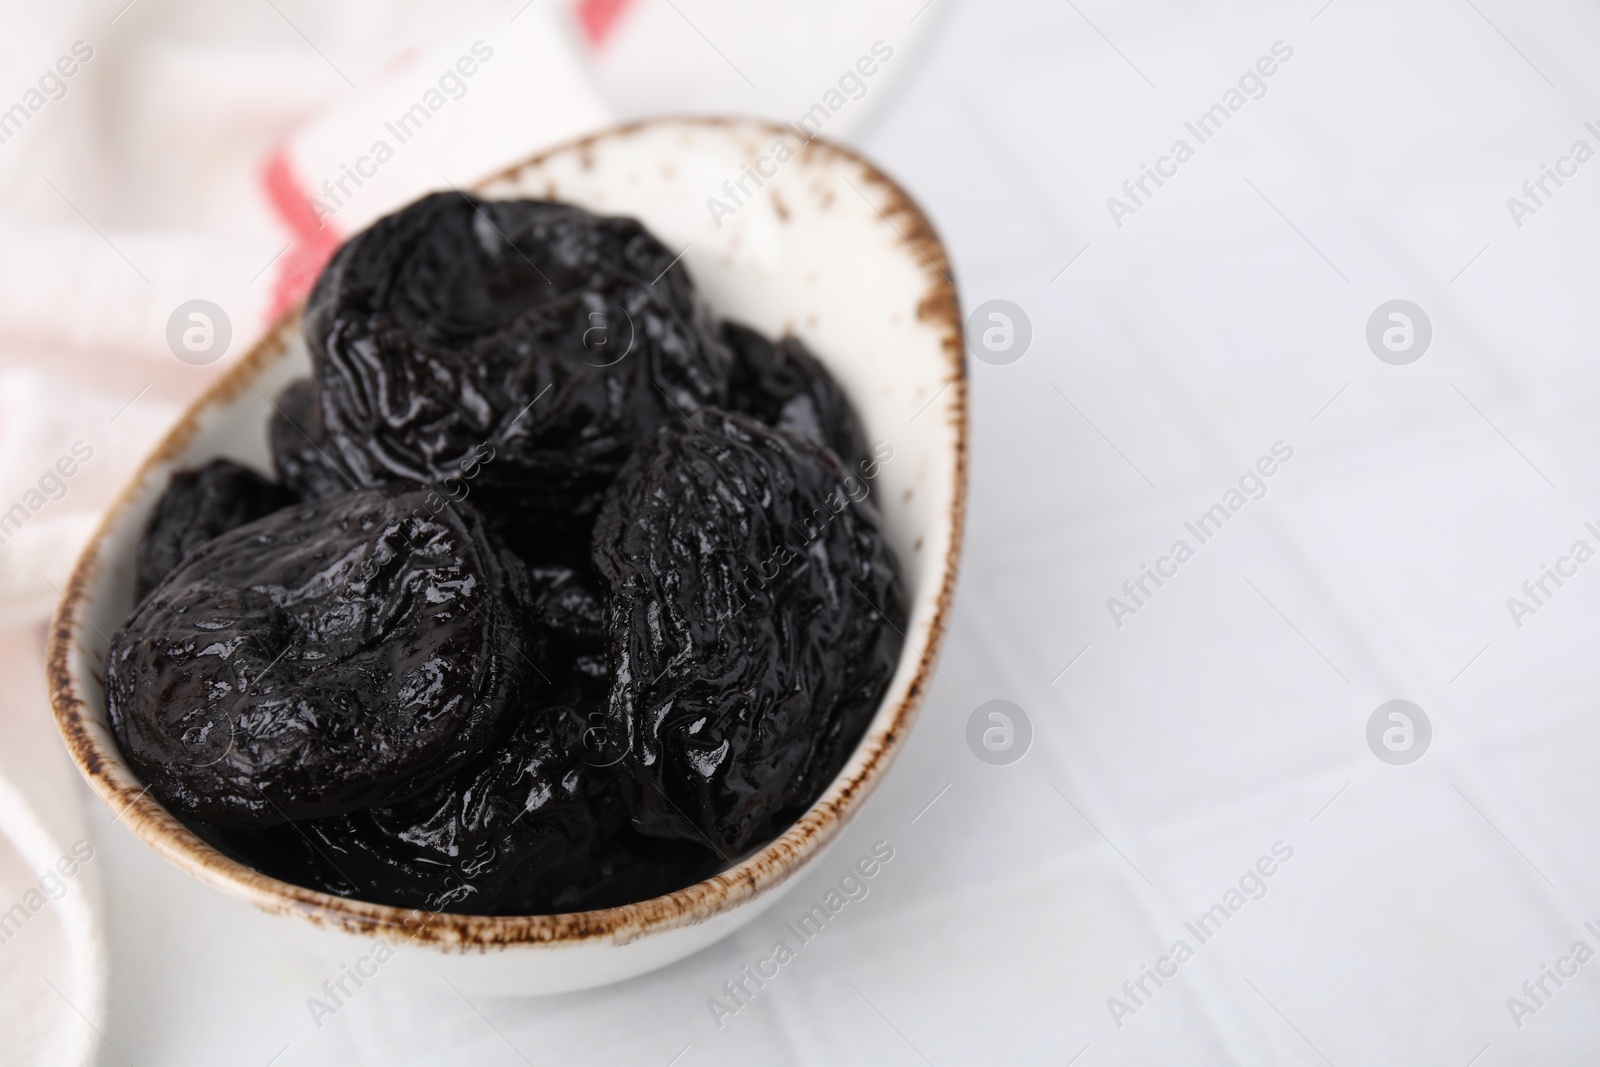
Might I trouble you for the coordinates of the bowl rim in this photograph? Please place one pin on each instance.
(755, 876)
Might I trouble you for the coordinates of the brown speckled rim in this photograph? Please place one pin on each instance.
(96, 757)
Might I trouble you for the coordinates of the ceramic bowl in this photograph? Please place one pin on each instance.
(785, 235)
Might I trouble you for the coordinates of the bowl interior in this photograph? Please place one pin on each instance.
(824, 247)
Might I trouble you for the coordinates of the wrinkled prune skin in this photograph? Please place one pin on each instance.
(785, 387)
(197, 506)
(525, 808)
(299, 446)
(755, 618)
(556, 337)
(337, 654)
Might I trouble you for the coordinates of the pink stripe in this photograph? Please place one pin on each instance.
(312, 241)
(598, 18)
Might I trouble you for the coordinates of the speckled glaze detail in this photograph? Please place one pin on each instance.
(89, 740)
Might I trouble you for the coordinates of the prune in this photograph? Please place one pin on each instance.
(754, 614)
(785, 386)
(333, 655)
(526, 807)
(555, 337)
(299, 446)
(197, 506)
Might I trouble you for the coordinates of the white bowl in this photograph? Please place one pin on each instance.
(827, 248)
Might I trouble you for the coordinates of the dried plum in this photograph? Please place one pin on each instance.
(784, 386)
(197, 506)
(755, 618)
(333, 655)
(299, 451)
(557, 337)
(526, 807)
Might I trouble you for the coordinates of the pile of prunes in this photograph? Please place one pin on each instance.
(566, 595)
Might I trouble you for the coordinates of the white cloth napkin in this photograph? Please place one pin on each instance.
(52, 946)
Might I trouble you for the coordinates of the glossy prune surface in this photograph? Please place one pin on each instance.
(525, 807)
(333, 655)
(782, 384)
(755, 618)
(556, 337)
(197, 506)
(299, 446)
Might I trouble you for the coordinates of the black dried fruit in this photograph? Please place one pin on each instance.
(299, 447)
(197, 506)
(785, 386)
(557, 338)
(525, 808)
(649, 640)
(755, 618)
(338, 654)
